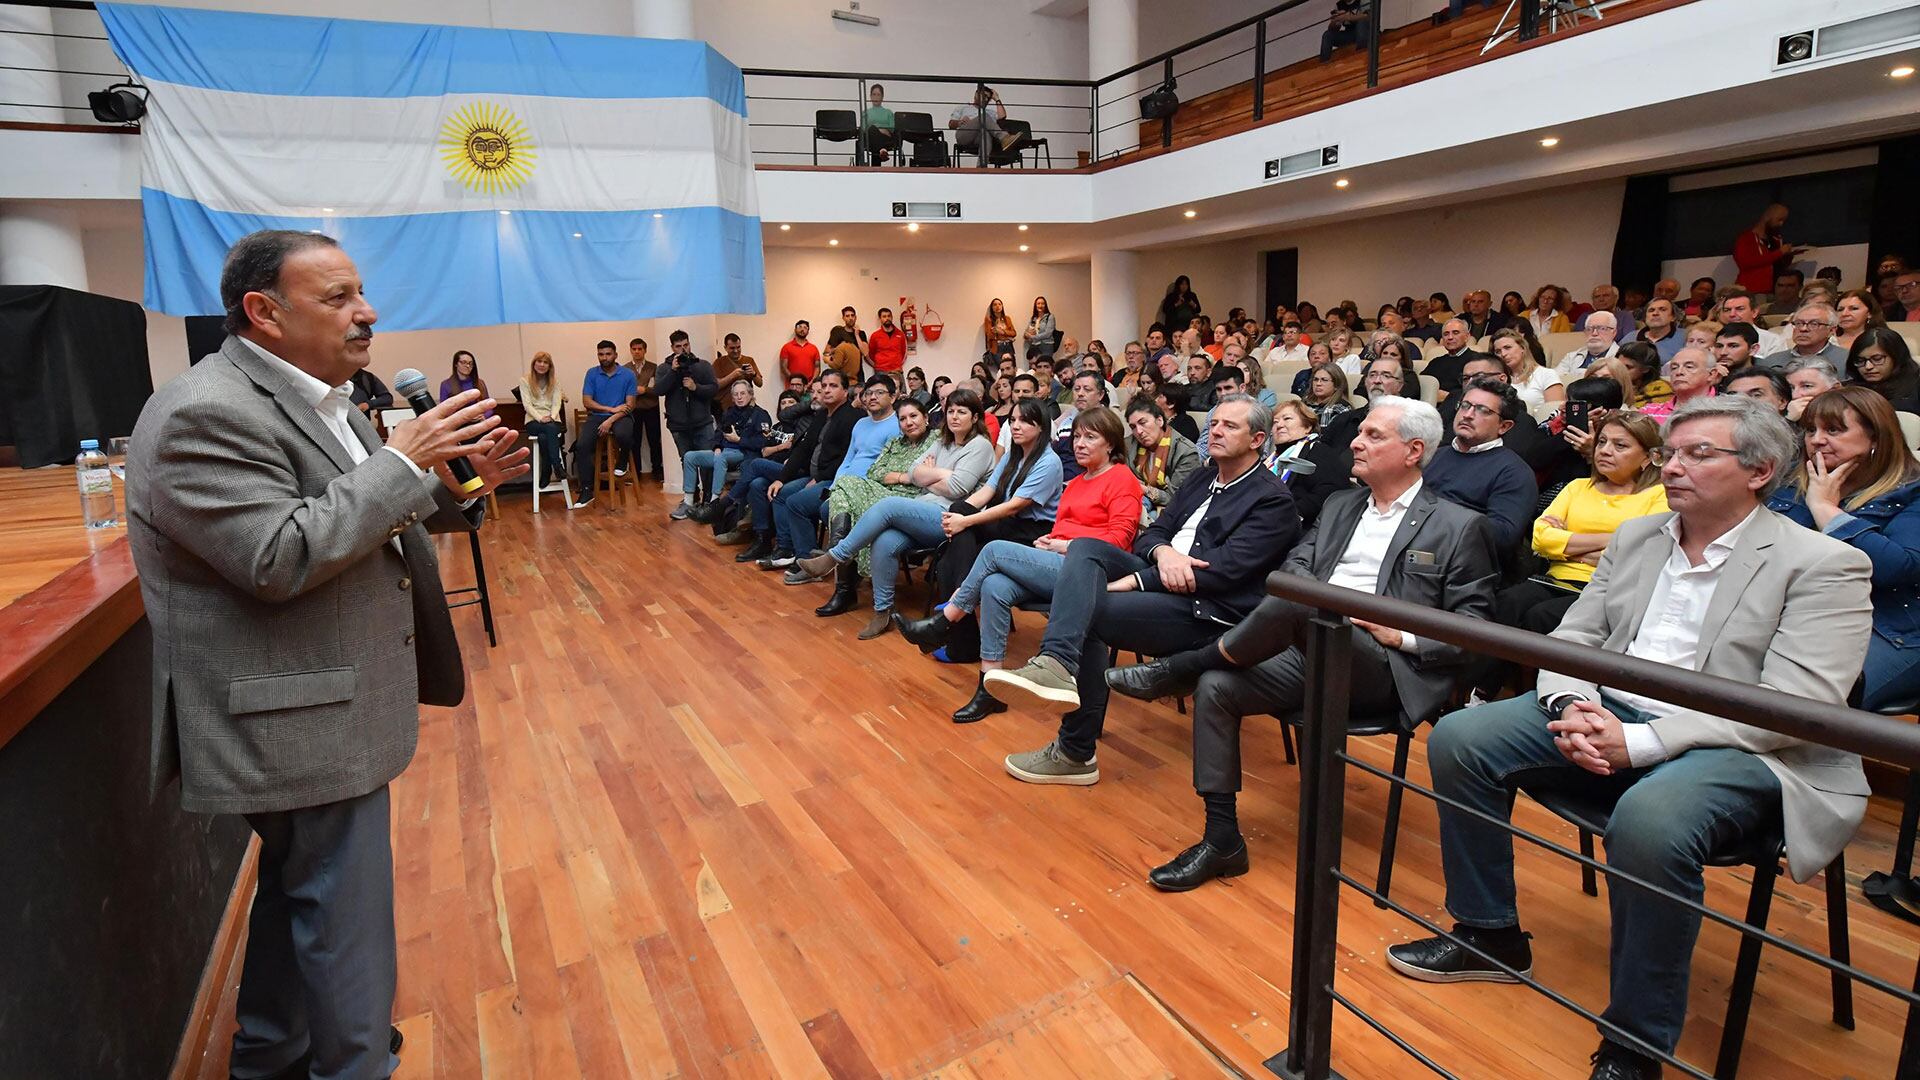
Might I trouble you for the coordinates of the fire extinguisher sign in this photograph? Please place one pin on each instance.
(910, 323)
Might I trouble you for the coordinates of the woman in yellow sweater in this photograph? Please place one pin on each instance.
(1575, 530)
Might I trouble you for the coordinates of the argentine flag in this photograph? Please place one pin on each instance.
(475, 176)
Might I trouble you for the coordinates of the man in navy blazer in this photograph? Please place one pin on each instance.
(1193, 574)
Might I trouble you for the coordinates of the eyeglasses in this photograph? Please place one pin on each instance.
(1810, 324)
(1690, 456)
(1474, 408)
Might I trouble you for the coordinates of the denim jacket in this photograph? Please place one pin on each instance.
(1888, 530)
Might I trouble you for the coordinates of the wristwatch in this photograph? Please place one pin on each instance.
(1558, 703)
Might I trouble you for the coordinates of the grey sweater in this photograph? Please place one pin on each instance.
(970, 463)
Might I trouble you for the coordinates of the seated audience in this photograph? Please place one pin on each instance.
(1160, 457)
(1089, 395)
(1174, 401)
(1476, 471)
(1881, 362)
(1193, 573)
(1700, 297)
(1606, 301)
(1313, 468)
(465, 377)
(1857, 310)
(1017, 503)
(1767, 387)
(1319, 354)
(1227, 382)
(608, 395)
(1456, 348)
(1736, 306)
(725, 516)
(1733, 347)
(1102, 502)
(1600, 345)
(1785, 608)
(813, 463)
(1536, 383)
(1134, 356)
(546, 409)
(1813, 327)
(1565, 448)
(1575, 530)
(1637, 366)
(1519, 438)
(1859, 484)
(742, 431)
(1906, 286)
(1787, 285)
(1662, 329)
(1807, 379)
(854, 493)
(1290, 346)
(1347, 24)
(1256, 381)
(1257, 668)
(1691, 376)
(1545, 315)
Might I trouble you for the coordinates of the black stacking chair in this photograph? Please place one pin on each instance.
(834, 125)
(1014, 153)
(1368, 726)
(926, 144)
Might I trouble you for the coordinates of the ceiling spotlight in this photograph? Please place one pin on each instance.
(1550, 141)
(506, 213)
(1901, 72)
(658, 214)
(1023, 228)
(121, 103)
(1342, 182)
(786, 228)
(1023, 247)
(1193, 213)
(913, 226)
(833, 243)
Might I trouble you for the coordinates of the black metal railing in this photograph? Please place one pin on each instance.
(46, 72)
(1324, 761)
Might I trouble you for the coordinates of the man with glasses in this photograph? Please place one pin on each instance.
(1602, 332)
(1907, 288)
(1477, 471)
(1813, 327)
(1720, 585)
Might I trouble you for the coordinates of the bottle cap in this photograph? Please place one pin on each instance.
(89, 444)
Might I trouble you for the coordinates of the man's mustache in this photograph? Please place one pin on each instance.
(360, 333)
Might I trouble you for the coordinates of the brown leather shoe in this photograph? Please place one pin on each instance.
(881, 622)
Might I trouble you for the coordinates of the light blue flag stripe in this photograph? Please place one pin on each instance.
(481, 268)
(310, 57)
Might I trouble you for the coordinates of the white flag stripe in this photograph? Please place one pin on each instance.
(363, 157)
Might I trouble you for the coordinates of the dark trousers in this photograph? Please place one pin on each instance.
(956, 560)
(756, 476)
(1528, 605)
(1086, 621)
(583, 443)
(319, 972)
(548, 433)
(646, 433)
(1275, 685)
(1350, 33)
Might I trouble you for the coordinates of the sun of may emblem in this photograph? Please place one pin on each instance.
(487, 148)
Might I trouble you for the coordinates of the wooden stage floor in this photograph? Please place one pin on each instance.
(682, 827)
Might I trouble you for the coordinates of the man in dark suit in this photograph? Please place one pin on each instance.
(298, 621)
(1456, 348)
(1191, 575)
(1395, 538)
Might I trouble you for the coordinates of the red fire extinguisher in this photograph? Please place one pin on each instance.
(910, 323)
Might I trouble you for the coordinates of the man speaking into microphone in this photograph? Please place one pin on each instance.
(298, 622)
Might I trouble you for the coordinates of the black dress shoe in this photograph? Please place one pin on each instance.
(978, 707)
(1439, 960)
(846, 597)
(761, 548)
(1198, 865)
(1615, 1062)
(929, 633)
(1149, 681)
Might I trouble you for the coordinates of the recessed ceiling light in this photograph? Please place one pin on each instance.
(1342, 182)
(833, 243)
(506, 213)
(1023, 228)
(658, 214)
(913, 226)
(326, 209)
(1023, 247)
(786, 228)
(1901, 72)
(1193, 213)
(1550, 141)
(576, 236)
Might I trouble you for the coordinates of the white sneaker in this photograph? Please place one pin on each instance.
(619, 472)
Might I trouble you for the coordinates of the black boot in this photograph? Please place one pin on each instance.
(929, 633)
(980, 706)
(762, 547)
(846, 592)
(726, 518)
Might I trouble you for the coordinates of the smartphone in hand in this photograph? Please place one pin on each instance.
(1579, 414)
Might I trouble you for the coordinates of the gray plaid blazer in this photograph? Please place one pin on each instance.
(292, 644)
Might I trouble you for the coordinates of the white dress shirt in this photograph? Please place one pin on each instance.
(1189, 530)
(1280, 353)
(1670, 629)
(1358, 567)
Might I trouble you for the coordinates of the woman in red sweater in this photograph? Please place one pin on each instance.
(1102, 502)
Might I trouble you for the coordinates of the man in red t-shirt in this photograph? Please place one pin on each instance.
(799, 356)
(887, 346)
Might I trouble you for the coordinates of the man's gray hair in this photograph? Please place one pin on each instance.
(1760, 435)
(253, 265)
(1417, 420)
(1818, 364)
(1259, 417)
(1823, 310)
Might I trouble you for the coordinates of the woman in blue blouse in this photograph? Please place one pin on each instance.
(1861, 485)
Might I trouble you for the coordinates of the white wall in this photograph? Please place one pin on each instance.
(1563, 235)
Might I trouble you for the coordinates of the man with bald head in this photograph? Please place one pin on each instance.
(1602, 342)
(1456, 348)
(1476, 310)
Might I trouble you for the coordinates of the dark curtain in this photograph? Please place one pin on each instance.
(1642, 232)
(205, 335)
(73, 366)
(1896, 228)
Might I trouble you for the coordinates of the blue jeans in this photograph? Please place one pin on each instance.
(756, 476)
(795, 511)
(548, 434)
(716, 462)
(1667, 821)
(1005, 575)
(1891, 677)
(893, 526)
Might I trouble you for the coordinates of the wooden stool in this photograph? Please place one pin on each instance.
(606, 452)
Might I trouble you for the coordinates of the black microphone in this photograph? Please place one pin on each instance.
(412, 385)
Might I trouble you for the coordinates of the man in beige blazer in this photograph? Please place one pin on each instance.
(1719, 585)
(298, 622)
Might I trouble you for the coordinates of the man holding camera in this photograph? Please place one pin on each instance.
(686, 386)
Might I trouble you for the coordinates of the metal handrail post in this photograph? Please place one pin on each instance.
(1166, 122)
(862, 153)
(1373, 44)
(1260, 70)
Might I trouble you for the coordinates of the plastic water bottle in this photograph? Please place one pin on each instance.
(96, 486)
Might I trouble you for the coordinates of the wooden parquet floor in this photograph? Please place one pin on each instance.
(682, 827)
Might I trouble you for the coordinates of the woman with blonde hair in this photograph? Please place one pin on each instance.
(1701, 335)
(1535, 383)
(546, 424)
(1861, 485)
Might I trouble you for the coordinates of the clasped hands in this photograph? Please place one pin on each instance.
(1590, 736)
